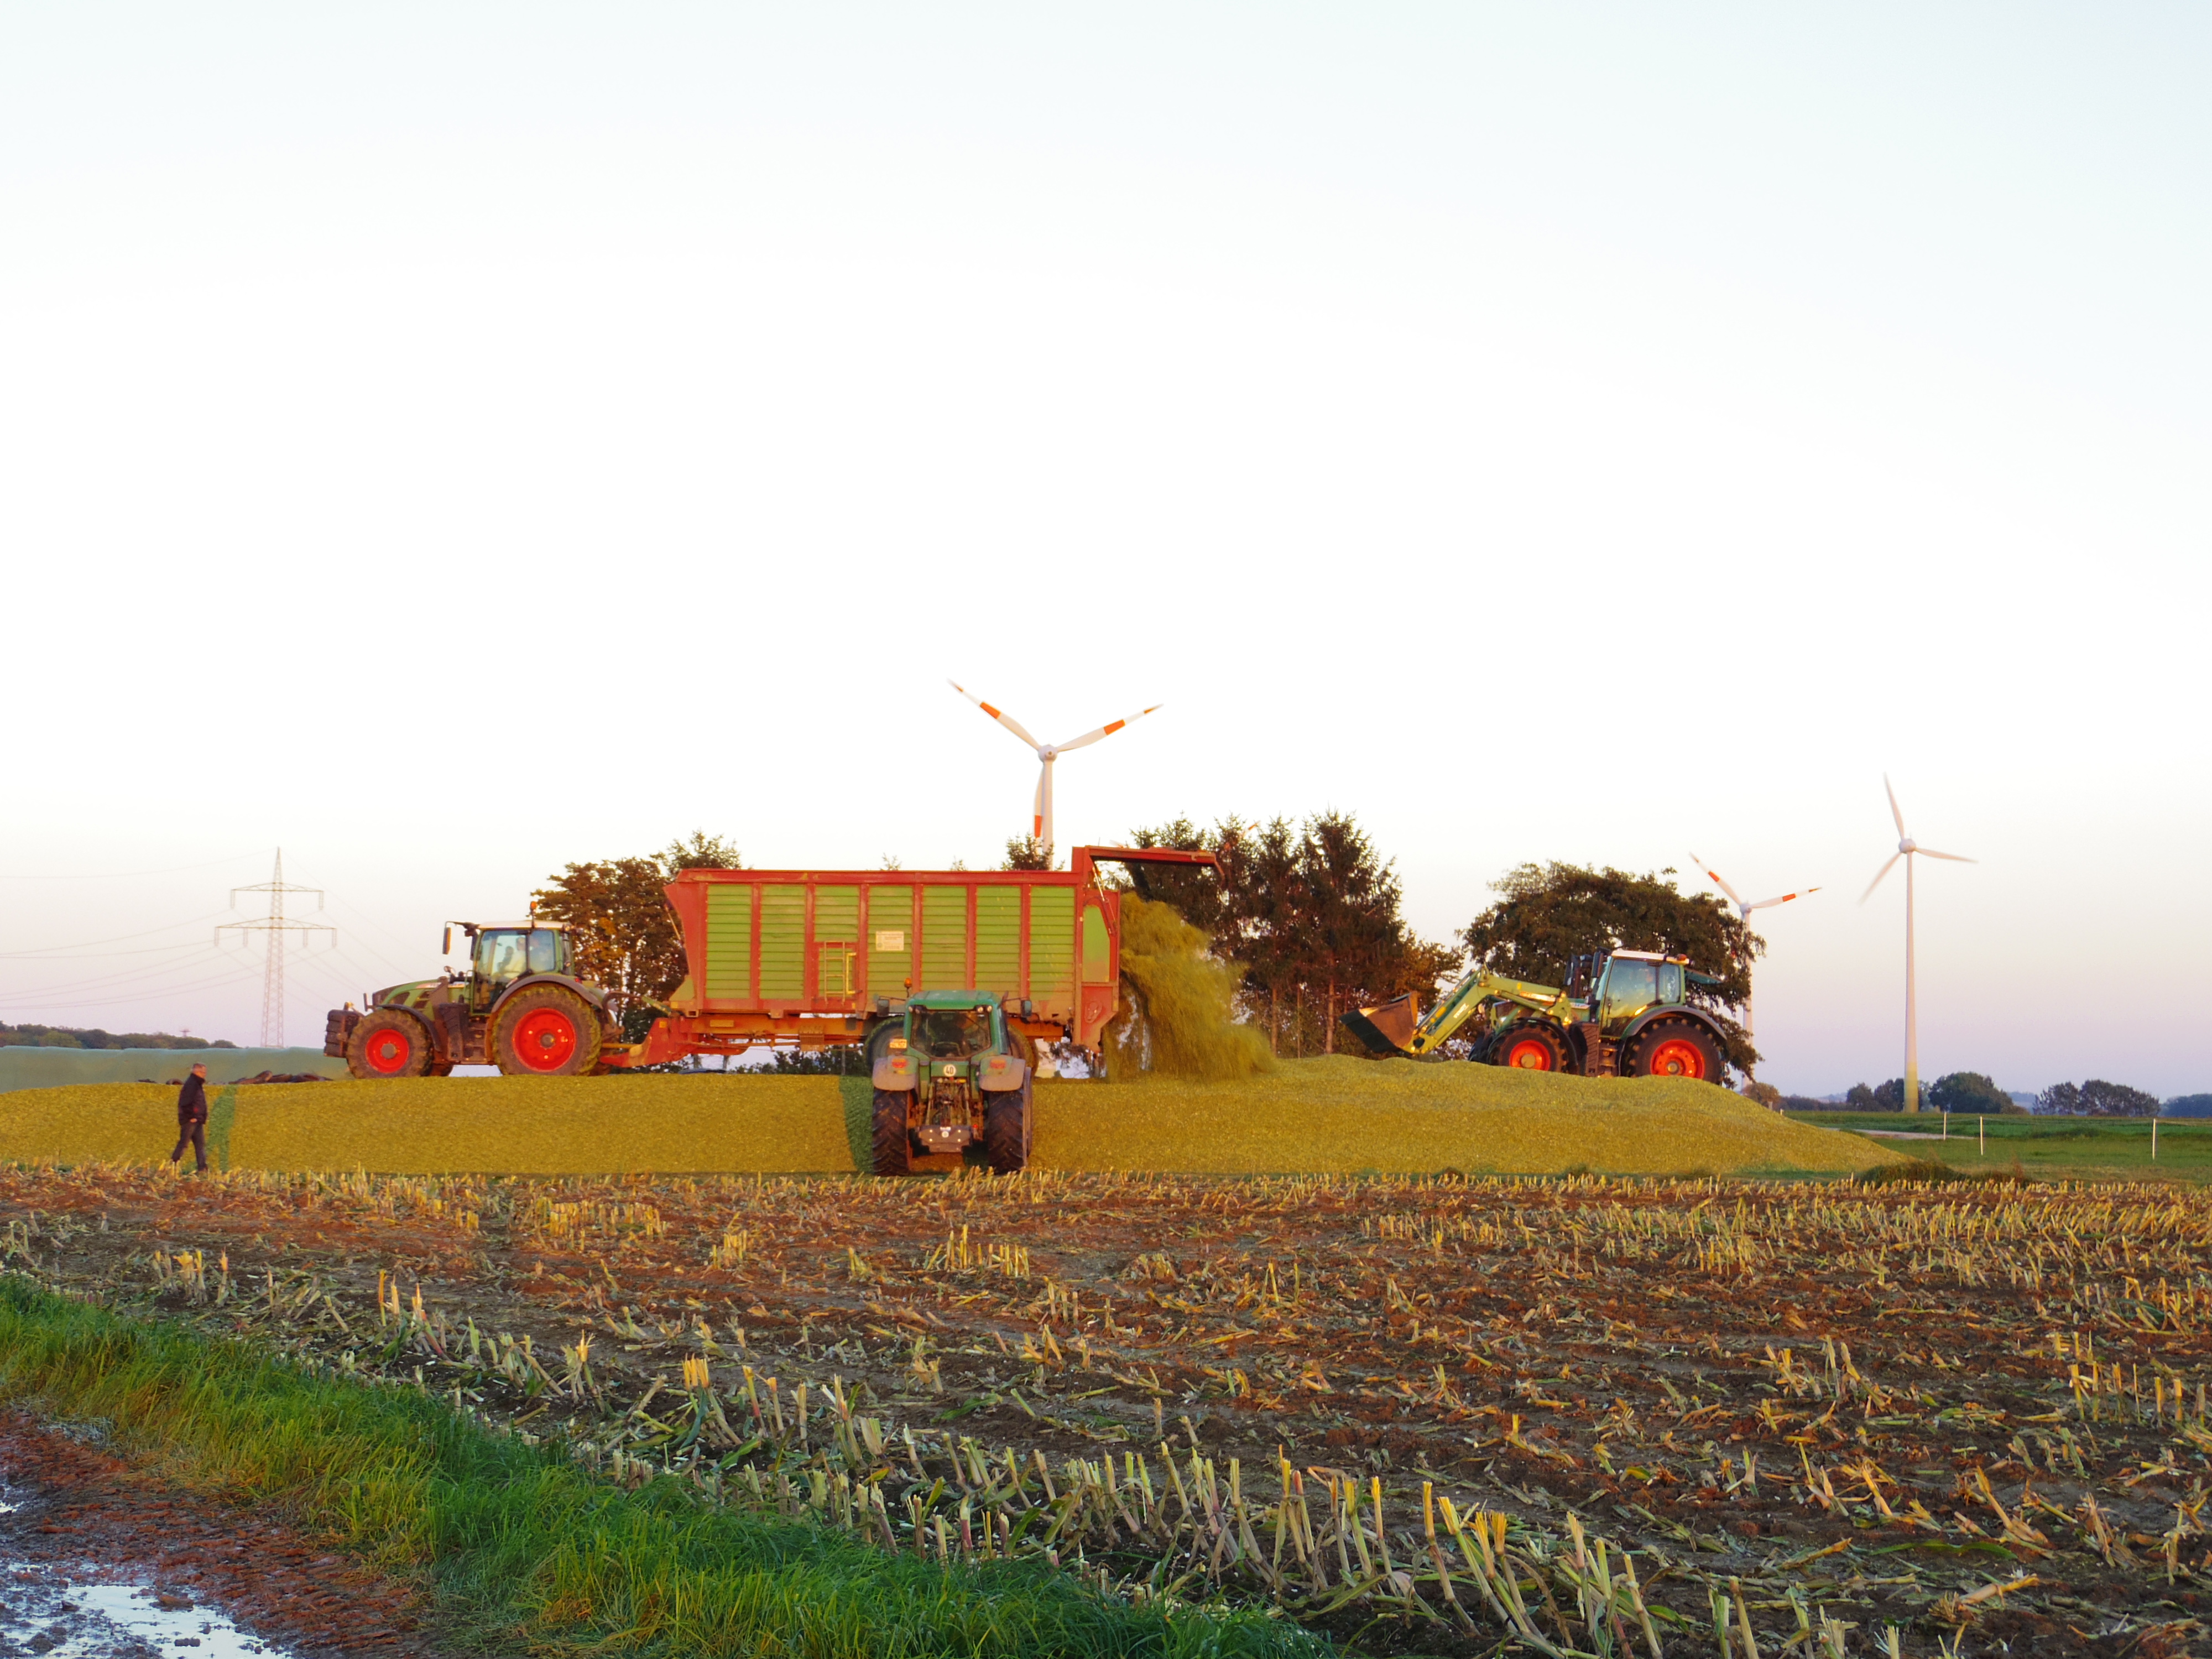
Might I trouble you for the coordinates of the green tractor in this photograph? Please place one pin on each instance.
(518, 1006)
(948, 1073)
(1621, 1013)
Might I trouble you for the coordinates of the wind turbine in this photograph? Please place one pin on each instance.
(1048, 753)
(1908, 850)
(1743, 914)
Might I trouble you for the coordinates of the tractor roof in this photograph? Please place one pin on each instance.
(953, 999)
(523, 925)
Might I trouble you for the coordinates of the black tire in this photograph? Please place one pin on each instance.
(1673, 1047)
(892, 1149)
(1006, 1130)
(1528, 1047)
(389, 1042)
(545, 1030)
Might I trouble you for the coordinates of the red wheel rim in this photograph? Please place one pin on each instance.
(543, 1039)
(1678, 1057)
(387, 1051)
(1530, 1054)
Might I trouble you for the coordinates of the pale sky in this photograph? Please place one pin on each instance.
(449, 441)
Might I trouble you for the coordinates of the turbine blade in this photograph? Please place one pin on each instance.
(1090, 738)
(1955, 858)
(1893, 812)
(1878, 875)
(1000, 715)
(1036, 807)
(1717, 882)
(1785, 899)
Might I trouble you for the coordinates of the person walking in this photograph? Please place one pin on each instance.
(192, 1117)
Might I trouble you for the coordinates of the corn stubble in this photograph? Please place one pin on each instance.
(1565, 1416)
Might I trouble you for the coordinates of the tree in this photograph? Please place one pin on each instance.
(1552, 913)
(2187, 1106)
(1969, 1091)
(2061, 1099)
(1027, 852)
(1766, 1094)
(2102, 1099)
(623, 933)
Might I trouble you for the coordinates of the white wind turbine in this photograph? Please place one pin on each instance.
(1048, 753)
(1743, 913)
(1908, 850)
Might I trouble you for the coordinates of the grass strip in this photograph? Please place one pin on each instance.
(519, 1543)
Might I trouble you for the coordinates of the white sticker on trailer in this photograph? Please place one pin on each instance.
(890, 939)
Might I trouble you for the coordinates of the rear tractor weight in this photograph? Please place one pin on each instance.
(546, 1030)
(1674, 1047)
(388, 1043)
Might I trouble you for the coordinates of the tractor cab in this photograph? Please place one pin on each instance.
(501, 952)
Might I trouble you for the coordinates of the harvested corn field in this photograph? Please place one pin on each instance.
(1419, 1414)
(1316, 1117)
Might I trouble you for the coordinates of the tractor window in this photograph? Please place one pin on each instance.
(545, 952)
(952, 1033)
(1670, 981)
(500, 956)
(1630, 986)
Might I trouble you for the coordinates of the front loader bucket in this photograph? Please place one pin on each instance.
(1388, 1028)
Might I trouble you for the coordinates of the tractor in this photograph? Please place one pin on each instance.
(948, 1072)
(1621, 1013)
(518, 1006)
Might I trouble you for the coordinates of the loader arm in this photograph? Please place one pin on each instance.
(1396, 1027)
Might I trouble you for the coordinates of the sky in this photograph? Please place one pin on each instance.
(447, 441)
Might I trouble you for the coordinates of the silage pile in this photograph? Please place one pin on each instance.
(1178, 1018)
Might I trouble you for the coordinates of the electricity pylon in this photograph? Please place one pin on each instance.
(275, 927)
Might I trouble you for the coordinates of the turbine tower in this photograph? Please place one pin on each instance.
(274, 927)
(1908, 850)
(1041, 816)
(1743, 914)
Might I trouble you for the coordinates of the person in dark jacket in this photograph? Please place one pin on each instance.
(192, 1118)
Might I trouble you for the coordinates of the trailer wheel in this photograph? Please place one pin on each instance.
(1526, 1048)
(546, 1030)
(893, 1151)
(1674, 1047)
(388, 1043)
(1006, 1130)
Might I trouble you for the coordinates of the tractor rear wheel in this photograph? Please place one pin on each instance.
(893, 1150)
(1006, 1130)
(545, 1030)
(1673, 1048)
(388, 1043)
(1527, 1048)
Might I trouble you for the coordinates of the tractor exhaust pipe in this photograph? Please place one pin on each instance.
(1388, 1028)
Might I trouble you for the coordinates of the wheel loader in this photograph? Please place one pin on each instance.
(518, 1006)
(1621, 1013)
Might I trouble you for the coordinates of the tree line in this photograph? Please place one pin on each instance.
(78, 1036)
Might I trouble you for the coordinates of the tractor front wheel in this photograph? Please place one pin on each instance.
(1674, 1047)
(893, 1148)
(388, 1043)
(1527, 1048)
(546, 1030)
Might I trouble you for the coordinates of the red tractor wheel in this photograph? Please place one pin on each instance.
(1526, 1048)
(388, 1043)
(546, 1030)
(1674, 1047)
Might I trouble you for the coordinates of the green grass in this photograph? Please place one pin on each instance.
(1335, 1115)
(522, 1548)
(2046, 1148)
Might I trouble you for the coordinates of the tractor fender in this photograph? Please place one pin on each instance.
(1001, 1073)
(1677, 1011)
(591, 993)
(896, 1074)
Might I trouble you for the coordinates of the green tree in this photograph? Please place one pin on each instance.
(2060, 1099)
(1549, 914)
(624, 934)
(1970, 1092)
(2102, 1099)
(1027, 852)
